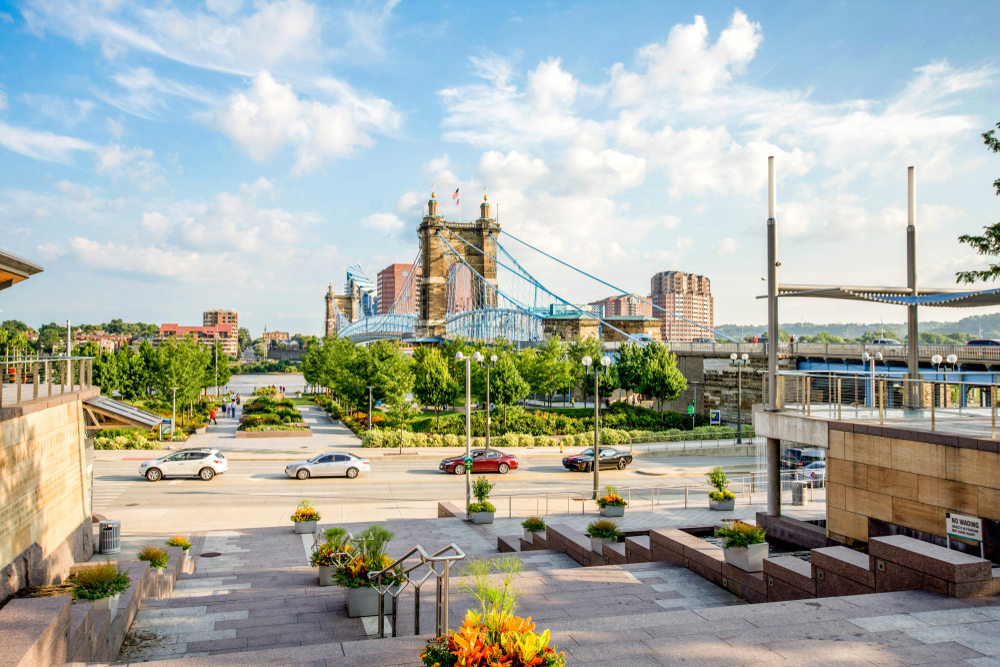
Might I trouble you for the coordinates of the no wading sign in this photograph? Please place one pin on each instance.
(966, 527)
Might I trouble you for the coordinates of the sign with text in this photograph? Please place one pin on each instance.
(965, 527)
(715, 417)
(690, 409)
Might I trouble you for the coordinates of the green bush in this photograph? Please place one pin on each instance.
(155, 556)
(740, 534)
(128, 441)
(274, 427)
(103, 581)
(533, 524)
(179, 541)
(603, 529)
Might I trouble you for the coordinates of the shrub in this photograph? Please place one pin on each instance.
(452, 440)
(718, 479)
(611, 498)
(369, 550)
(155, 556)
(533, 524)
(265, 391)
(104, 581)
(740, 534)
(126, 441)
(179, 541)
(603, 529)
(274, 427)
(305, 512)
(543, 441)
(481, 490)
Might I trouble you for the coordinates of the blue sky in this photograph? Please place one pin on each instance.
(159, 159)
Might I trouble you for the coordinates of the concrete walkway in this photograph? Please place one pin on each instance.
(327, 435)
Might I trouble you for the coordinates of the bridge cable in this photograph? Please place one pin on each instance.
(680, 317)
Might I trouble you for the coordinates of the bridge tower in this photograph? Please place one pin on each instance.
(434, 265)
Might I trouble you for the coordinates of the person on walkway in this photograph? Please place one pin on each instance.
(237, 399)
(211, 417)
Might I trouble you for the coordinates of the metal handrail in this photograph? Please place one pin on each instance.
(442, 580)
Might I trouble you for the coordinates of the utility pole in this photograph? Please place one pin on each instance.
(773, 444)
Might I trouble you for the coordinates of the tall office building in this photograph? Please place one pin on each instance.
(391, 281)
(685, 294)
(225, 319)
(362, 292)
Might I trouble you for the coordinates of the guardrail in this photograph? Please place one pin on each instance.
(29, 378)
(925, 352)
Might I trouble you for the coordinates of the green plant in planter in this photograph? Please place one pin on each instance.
(740, 534)
(481, 490)
(368, 549)
(718, 479)
(603, 529)
(335, 536)
(305, 512)
(103, 581)
(533, 524)
(611, 498)
(155, 556)
(179, 541)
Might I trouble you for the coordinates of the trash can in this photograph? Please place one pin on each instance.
(111, 536)
(799, 497)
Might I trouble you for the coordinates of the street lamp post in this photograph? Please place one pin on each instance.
(173, 419)
(596, 465)
(489, 412)
(739, 362)
(468, 422)
(872, 358)
(370, 409)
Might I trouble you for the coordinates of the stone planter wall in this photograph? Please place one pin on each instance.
(275, 434)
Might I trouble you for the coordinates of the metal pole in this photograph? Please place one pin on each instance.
(773, 444)
(913, 336)
(597, 439)
(488, 411)
(739, 404)
(173, 419)
(468, 449)
(370, 412)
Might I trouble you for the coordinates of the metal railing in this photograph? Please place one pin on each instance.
(960, 402)
(691, 440)
(748, 484)
(442, 580)
(925, 352)
(27, 378)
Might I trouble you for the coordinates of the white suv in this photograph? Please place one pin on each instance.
(203, 463)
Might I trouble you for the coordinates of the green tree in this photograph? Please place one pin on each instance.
(550, 369)
(393, 370)
(222, 372)
(260, 348)
(245, 339)
(630, 366)
(433, 384)
(506, 384)
(662, 379)
(14, 326)
(989, 243)
(181, 363)
(577, 350)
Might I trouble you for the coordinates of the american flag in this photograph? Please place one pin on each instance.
(455, 196)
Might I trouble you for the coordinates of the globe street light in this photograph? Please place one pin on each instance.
(739, 363)
(468, 426)
(596, 465)
(489, 412)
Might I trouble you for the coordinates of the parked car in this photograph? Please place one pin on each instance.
(794, 458)
(204, 462)
(886, 341)
(814, 473)
(483, 460)
(610, 458)
(329, 464)
(983, 342)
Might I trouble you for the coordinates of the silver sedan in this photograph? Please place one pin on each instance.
(329, 464)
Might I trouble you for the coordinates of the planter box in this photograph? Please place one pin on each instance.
(748, 559)
(597, 544)
(326, 575)
(529, 537)
(305, 527)
(364, 602)
(274, 434)
(201, 431)
(482, 517)
(107, 604)
(722, 505)
(613, 511)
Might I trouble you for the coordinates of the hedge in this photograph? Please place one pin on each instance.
(610, 437)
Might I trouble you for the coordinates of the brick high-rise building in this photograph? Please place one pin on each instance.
(685, 294)
(225, 319)
(391, 280)
(625, 304)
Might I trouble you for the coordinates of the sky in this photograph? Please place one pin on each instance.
(159, 159)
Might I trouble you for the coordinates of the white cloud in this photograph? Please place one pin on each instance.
(143, 260)
(41, 145)
(513, 169)
(148, 96)
(726, 246)
(409, 201)
(116, 127)
(50, 250)
(385, 223)
(270, 116)
(74, 191)
(258, 187)
(133, 164)
(67, 112)
(155, 223)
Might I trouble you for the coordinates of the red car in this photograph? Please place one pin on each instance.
(483, 460)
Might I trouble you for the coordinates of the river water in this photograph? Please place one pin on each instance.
(245, 384)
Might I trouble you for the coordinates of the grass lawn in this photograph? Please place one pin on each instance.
(300, 401)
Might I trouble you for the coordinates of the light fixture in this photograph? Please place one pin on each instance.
(952, 359)
(493, 358)
(586, 361)
(936, 359)
(459, 357)
(605, 361)
(745, 356)
(477, 357)
(733, 356)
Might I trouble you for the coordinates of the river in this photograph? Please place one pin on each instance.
(245, 384)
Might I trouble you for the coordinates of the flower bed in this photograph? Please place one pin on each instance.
(103, 581)
(131, 440)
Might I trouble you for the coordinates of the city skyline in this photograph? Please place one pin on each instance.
(187, 170)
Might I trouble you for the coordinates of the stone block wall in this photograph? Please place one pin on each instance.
(906, 478)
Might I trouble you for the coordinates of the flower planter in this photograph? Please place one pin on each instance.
(326, 575)
(612, 510)
(597, 544)
(722, 505)
(107, 604)
(748, 559)
(364, 602)
(482, 517)
(528, 537)
(201, 431)
(305, 527)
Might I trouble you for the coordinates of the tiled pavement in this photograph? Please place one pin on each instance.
(261, 601)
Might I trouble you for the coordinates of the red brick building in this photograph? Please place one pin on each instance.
(685, 294)
(625, 304)
(391, 280)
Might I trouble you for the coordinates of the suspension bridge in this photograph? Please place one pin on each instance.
(464, 282)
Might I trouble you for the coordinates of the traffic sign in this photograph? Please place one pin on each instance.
(715, 417)
(690, 409)
(468, 463)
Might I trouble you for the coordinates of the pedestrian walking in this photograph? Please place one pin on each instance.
(237, 399)
(211, 417)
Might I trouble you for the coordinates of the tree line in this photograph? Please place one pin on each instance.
(435, 378)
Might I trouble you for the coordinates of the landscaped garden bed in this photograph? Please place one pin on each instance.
(267, 417)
